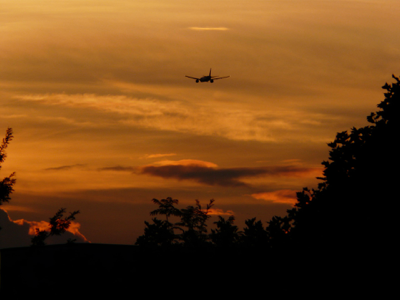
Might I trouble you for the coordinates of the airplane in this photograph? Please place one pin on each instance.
(206, 78)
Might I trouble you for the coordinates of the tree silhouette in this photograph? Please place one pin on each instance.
(193, 224)
(160, 233)
(57, 226)
(355, 205)
(254, 235)
(226, 235)
(166, 207)
(6, 185)
(278, 230)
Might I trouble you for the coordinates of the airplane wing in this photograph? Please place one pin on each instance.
(192, 77)
(215, 78)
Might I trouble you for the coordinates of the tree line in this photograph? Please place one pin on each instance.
(354, 207)
(192, 231)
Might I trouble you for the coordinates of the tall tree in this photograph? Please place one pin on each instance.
(166, 207)
(7, 184)
(193, 224)
(356, 205)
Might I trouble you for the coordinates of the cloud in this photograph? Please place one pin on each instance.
(195, 117)
(65, 168)
(209, 174)
(209, 28)
(204, 175)
(183, 162)
(19, 233)
(186, 162)
(280, 196)
(148, 156)
(119, 169)
(219, 212)
(14, 116)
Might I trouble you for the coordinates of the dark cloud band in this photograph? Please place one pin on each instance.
(229, 177)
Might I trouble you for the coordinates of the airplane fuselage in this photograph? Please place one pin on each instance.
(206, 78)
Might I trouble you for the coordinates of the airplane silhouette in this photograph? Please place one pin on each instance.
(206, 78)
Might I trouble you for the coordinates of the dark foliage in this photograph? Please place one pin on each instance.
(7, 184)
(356, 203)
(191, 230)
(57, 226)
(254, 235)
(226, 234)
(160, 233)
(354, 208)
(193, 224)
(166, 207)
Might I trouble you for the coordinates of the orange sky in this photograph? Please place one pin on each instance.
(104, 119)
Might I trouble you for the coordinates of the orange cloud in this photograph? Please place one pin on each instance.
(186, 162)
(159, 155)
(177, 115)
(280, 196)
(44, 225)
(219, 212)
(18, 233)
(41, 225)
(209, 28)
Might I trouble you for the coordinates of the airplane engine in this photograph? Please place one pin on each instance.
(197, 80)
(211, 80)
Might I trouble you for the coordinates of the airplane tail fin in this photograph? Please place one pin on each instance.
(210, 73)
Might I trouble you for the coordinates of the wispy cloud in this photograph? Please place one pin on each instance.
(220, 212)
(186, 162)
(209, 119)
(119, 169)
(65, 168)
(280, 196)
(15, 116)
(209, 28)
(148, 156)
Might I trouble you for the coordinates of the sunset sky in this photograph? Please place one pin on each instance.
(104, 118)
